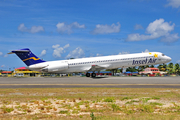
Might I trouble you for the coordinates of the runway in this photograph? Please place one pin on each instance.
(102, 82)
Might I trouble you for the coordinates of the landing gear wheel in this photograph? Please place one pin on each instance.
(87, 74)
(93, 75)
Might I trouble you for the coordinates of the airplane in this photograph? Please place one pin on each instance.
(90, 64)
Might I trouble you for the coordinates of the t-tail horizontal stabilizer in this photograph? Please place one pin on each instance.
(27, 56)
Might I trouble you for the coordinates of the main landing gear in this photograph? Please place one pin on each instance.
(87, 74)
(93, 75)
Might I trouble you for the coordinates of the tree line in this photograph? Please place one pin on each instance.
(169, 68)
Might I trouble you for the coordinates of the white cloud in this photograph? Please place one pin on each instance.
(59, 50)
(63, 28)
(43, 53)
(6, 55)
(173, 3)
(159, 27)
(77, 53)
(66, 46)
(1, 53)
(156, 29)
(138, 26)
(106, 29)
(33, 29)
(123, 53)
(178, 61)
(98, 55)
(22, 28)
(170, 38)
(55, 46)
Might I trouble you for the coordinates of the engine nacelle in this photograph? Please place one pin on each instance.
(55, 67)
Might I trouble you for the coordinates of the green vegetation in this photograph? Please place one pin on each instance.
(115, 107)
(132, 101)
(6, 109)
(125, 98)
(145, 100)
(92, 103)
(169, 68)
(63, 112)
(155, 103)
(109, 99)
(92, 116)
(155, 98)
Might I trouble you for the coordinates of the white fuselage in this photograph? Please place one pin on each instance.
(104, 62)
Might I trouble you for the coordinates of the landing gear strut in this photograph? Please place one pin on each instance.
(87, 74)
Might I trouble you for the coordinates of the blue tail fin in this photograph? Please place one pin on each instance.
(27, 56)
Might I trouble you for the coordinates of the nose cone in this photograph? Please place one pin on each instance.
(168, 59)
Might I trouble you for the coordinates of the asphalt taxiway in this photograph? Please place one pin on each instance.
(77, 82)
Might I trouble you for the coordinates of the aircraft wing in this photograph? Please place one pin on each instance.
(96, 67)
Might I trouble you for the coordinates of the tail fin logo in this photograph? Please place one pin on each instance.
(31, 58)
(27, 56)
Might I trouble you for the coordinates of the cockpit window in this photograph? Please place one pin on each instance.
(163, 55)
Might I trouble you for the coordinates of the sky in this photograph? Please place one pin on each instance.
(63, 29)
